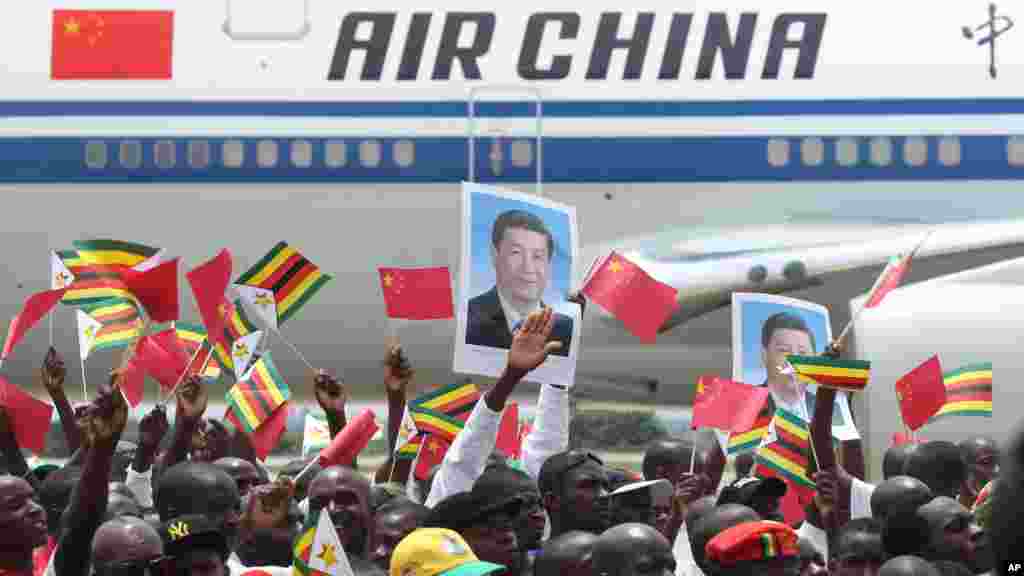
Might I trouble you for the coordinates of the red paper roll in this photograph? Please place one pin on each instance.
(350, 441)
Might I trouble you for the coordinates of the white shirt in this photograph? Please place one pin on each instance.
(467, 457)
(512, 315)
(141, 486)
(683, 554)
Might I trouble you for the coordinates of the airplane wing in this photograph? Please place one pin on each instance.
(707, 271)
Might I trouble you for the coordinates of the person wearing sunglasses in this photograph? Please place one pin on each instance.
(574, 488)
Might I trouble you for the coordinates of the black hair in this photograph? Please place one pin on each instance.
(939, 465)
(869, 526)
(784, 321)
(419, 512)
(524, 220)
(895, 458)
(948, 568)
(666, 452)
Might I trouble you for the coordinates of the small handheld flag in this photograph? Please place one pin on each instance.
(417, 293)
(921, 393)
(968, 391)
(286, 273)
(625, 290)
(850, 375)
(258, 394)
(88, 330)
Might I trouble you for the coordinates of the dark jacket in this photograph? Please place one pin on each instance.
(487, 325)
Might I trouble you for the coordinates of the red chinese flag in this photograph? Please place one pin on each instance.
(355, 436)
(268, 435)
(727, 405)
(640, 302)
(112, 45)
(417, 293)
(921, 393)
(209, 283)
(157, 290)
(35, 308)
(165, 367)
(508, 432)
(431, 454)
(30, 418)
(133, 383)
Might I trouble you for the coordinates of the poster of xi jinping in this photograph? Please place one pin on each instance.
(519, 254)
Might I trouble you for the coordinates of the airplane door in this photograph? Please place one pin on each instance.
(276, 20)
(504, 156)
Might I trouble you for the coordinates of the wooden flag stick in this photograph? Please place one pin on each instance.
(85, 393)
(693, 453)
(294, 349)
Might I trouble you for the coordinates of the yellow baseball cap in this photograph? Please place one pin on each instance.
(437, 552)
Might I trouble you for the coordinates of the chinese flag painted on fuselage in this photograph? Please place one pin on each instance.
(112, 45)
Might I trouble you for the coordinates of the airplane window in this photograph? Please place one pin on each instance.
(915, 151)
(96, 154)
(522, 153)
(813, 151)
(404, 152)
(778, 152)
(335, 155)
(131, 154)
(949, 151)
(163, 153)
(233, 154)
(1015, 151)
(199, 154)
(266, 154)
(302, 154)
(847, 152)
(881, 151)
(369, 153)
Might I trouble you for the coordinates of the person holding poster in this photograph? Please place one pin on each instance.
(519, 256)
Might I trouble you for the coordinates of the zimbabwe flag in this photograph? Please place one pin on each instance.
(968, 391)
(254, 399)
(787, 448)
(849, 375)
(236, 324)
(455, 400)
(98, 275)
(112, 253)
(192, 338)
(289, 275)
(441, 425)
(751, 439)
(121, 320)
(410, 449)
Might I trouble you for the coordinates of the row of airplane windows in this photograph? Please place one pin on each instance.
(129, 154)
(880, 151)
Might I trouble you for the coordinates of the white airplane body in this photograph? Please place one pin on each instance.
(742, 146)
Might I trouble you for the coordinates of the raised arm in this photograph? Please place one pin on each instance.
(152, 429)
(397, 375)
(192, 400)
(104, 424)
(51, 376)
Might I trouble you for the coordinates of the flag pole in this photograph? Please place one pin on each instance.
(202, 370)
(294, 349)
(85, 393)
(693, 453)
(874, 287)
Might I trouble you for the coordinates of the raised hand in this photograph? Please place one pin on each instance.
(152, 428)
(397, 370)
(269, 504)
(106, 417)
(688, 489)
(192, 398)
(530, 346)
(53, 372)
(330, 393)
(578, 298)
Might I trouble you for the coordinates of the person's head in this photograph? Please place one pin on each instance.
(382, 494)
(504, 481)
(201, 488)
(121, 502)
(857, 549)
(244, 473)
(743, 463)
(762, 547)
(521, 249)
(487, 522)
(899, 495)
(763, 495)
(908, 566)
(667, 459)
(714, 522)
(812, 562)
(55, 494)
(437, 552)
(345, 495)
(195, 546)
(126, 545)
(981, 458)
(895, 458)
(22, 519)
(633, 550)
(641, 502)
(292, 470)
(939, 465)
(391, 523)
(784, 334)
(571, 554)
(574, 488)
(954, 536)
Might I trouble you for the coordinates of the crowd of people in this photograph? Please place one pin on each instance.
(194, 499)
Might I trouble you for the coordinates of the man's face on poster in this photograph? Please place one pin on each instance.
(782, 343)
(521, 265)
